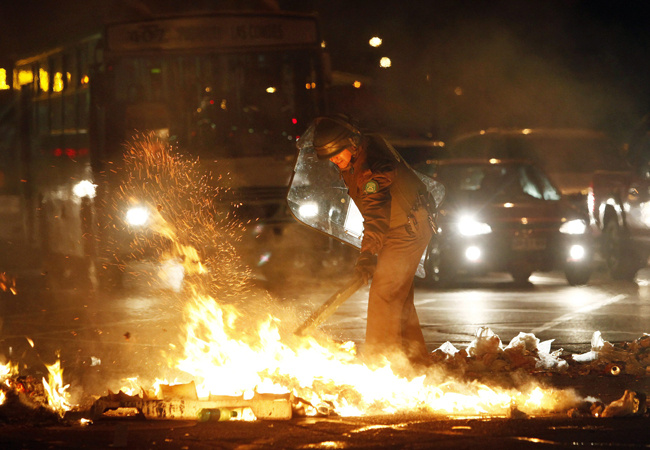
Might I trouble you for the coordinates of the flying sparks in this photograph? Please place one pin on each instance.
(242, 349)
(238, 347)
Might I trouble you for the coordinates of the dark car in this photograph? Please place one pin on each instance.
(504, 216)
(569, 156)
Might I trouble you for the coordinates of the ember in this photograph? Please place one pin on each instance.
(7, 283)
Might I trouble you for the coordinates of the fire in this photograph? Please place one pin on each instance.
(6, 372)
(245, 348)
(58, 397)
(231, 348)
(227, 358)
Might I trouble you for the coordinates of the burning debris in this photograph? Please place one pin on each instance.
(240, 361)
(177, 404)
(25, 399)
(334, 384)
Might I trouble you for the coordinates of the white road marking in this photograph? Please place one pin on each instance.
(583, 310)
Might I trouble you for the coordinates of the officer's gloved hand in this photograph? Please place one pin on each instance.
(366, 265)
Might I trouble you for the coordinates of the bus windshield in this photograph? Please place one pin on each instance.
(241, 104)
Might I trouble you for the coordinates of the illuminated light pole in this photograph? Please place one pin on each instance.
(375, 41)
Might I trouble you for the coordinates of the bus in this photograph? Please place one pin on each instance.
(232, 87)
(11, 225)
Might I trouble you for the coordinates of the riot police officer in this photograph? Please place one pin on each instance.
(398, 225)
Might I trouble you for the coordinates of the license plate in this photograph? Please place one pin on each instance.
(528, 243)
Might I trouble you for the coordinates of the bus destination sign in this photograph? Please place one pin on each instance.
(224, 32)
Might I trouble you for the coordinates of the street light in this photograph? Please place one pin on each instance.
(385, 62)
(375, 41)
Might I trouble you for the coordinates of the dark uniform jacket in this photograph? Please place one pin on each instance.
(386, 191)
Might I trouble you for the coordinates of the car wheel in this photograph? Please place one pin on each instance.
(621, 258)
(577, 276)
(436, 271)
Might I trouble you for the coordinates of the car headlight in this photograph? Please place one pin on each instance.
(467, 226)
(137, 216)
(577, 253)
(576, 226)
(85, 188)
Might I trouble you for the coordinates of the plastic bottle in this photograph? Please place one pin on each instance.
(219, 414)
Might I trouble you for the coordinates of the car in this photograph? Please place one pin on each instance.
(569, 156)
(619, 209)
(504, 216)
(415, 149)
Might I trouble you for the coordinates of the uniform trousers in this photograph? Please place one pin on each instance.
(393, 324)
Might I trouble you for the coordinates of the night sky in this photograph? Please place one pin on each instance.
(457, 64)
(514, 63)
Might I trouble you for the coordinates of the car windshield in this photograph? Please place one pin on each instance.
(502, 181)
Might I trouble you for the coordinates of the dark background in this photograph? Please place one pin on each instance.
(457, 65)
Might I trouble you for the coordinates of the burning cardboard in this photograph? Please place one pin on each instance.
(261, 406)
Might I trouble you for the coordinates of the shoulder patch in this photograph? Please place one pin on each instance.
(371, 187)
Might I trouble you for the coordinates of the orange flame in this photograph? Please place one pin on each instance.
(228, 350)
(58, 397)
(328, 375)
(6, 372)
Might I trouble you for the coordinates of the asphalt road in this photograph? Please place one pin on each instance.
(103, 337)
(547, 307)
(410, 432)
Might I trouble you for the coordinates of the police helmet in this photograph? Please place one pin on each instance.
(333, 134)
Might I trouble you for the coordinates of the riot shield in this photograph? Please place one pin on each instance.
(319, 198)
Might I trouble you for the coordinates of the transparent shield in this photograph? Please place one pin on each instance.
(319, 198)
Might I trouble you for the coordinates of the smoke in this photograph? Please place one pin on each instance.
(461, 66)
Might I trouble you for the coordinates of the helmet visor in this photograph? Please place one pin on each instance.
(326, 137)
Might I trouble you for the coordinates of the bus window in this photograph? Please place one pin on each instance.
(83, 104)
(70, 69)
(44, 78)
(232, 105)
(56, 116)
(42, 117)
(70, 112)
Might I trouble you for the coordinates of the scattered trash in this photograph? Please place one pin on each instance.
(217, 414)
(631, 404)
(175, 406)
(486, 354)
(628, 358)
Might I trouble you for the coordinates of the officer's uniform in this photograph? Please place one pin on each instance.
(397, 228)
